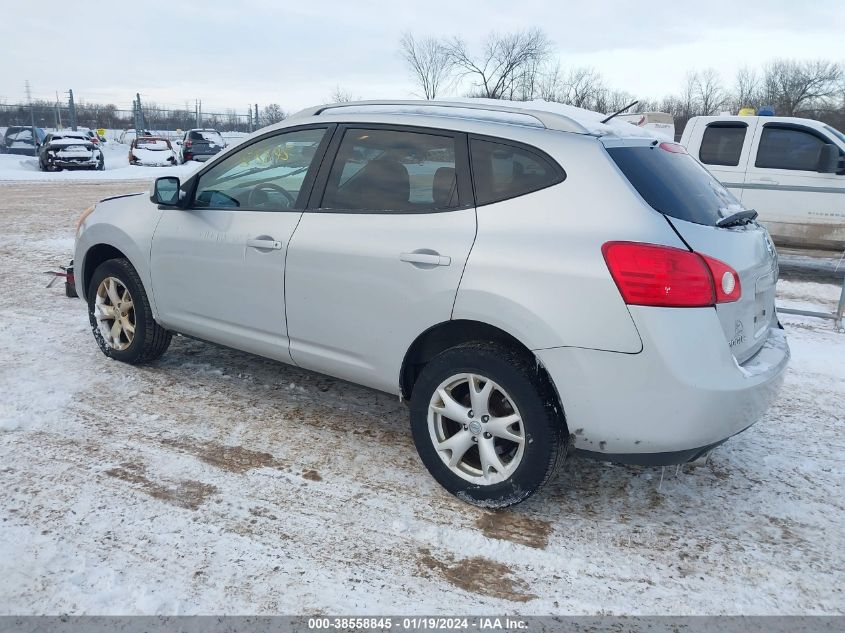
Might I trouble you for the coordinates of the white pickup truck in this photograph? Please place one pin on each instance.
(790, 170)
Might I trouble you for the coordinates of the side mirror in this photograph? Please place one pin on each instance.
(828, 159)
(166, 191)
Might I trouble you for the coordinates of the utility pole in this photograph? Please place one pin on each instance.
(257, 125)
(58, 112)
(72, 107)
(136, 118)
(140, 114)
(32, 118)
(249, 122)
(199, 116)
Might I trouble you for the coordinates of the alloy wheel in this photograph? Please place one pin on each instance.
(476, 429)
(114, 310)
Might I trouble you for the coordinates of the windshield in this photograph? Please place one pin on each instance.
(674, 183)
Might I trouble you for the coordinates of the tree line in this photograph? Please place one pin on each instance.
(523, 65)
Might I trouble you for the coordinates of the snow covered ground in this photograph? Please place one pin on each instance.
(214, 481)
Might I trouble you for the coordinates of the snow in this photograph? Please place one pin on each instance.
(216, 481)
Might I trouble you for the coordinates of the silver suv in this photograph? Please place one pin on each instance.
(529, 283)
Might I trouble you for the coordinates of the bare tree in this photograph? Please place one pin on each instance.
(793, 86)
(341, 95)
(748, 89)
(583, 88)
(272, 113)
(429, 62)
(708, 90)
(500, 70)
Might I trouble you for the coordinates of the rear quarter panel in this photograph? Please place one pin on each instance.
(537, 270)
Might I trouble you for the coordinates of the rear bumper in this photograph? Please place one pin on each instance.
(75, 164)
(683, 394)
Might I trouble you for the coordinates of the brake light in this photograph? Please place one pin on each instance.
(653, 275)
(674, 148)
(189, 143)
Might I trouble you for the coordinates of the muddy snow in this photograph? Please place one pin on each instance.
(215, 481)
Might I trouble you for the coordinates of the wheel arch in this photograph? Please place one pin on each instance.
(95, 256)
(447, 334)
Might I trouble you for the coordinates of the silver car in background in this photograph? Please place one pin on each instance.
(528, 283)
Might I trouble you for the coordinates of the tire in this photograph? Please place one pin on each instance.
(518, 390)
(149, 340)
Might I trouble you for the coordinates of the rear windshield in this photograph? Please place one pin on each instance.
(674, 183)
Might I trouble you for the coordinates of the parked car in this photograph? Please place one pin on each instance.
(791, 170)
(153, 151)
(19, 139)
(201, 145)
(127, 136)
(525, 280)
(67, 149)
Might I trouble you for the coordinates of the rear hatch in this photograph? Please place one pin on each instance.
(693, 202)
(206, 142)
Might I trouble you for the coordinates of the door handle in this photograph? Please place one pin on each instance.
(765, 180)
(426, 258)
(264, 243)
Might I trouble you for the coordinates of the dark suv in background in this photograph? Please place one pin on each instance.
(18, 139)
(201, 145)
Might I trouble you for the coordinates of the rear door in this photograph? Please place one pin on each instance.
(724, 148)
(671, 182)
(379, 257)
(218, 265)
(797, 203)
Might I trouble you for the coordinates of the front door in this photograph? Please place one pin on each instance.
(218, 264)
(799, 205)
(380, 259)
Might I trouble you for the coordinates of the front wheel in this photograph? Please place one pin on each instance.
(486, 424)
(120, 315)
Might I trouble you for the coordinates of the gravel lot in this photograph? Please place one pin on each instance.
(216, 481)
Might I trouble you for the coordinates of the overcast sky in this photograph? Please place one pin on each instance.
(233, 53)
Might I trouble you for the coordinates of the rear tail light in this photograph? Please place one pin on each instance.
(653, 275)
(189, 143)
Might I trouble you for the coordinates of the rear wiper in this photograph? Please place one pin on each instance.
(737, 219)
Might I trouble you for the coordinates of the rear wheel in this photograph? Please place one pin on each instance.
(486, 425)
(120, 315)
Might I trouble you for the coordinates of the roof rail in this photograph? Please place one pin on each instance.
(548, 120)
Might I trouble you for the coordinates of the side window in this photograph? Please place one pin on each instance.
(265, 176)
(722, 144)
(788, 148)
(504, 171)
(392, 170)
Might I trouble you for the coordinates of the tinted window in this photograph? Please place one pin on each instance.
(392, 170)
(504, 171)
(788, 148)
(266, 175)
(722, 144)
(674, 183)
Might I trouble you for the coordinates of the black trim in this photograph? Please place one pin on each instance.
(669, 458)
(466, 199)
(307, 183)
(531, 149)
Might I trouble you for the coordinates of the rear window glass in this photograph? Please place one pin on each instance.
(674, 183)
(504, 171)
(722, 144)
